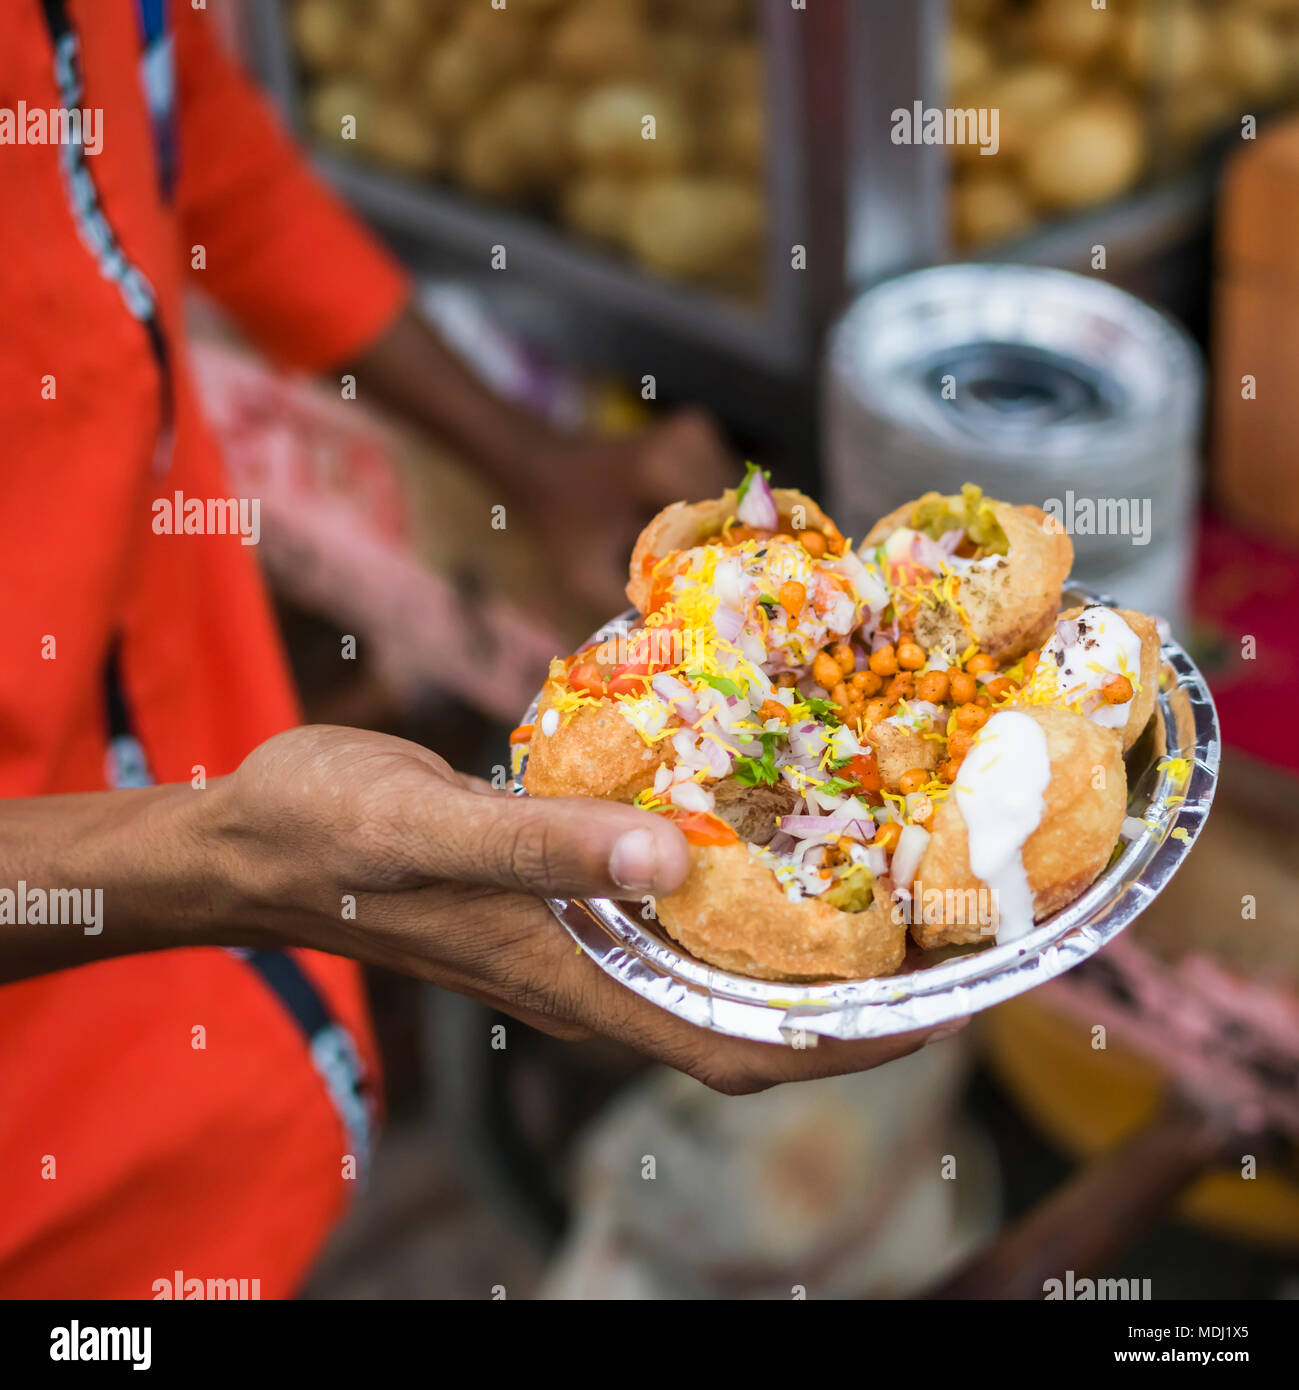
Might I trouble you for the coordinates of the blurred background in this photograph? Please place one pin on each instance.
(1112, 275)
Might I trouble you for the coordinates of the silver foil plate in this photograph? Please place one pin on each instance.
(936, 986)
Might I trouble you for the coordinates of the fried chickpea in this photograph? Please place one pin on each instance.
(867, 683)
(845, 656)
(814, 543)
(876, 710)
(1117, 690)
(980, 662)
(841, 695)
(825, 671)
(947, 771)
(773, 709)
(963, 687)
(787, 680)
(960, 744)
(901, 687)
(999, 688)
(982, 701)
(912, 780)
(886, 838)
(911, 657)
(933, 686)
(920, 808)
(792, 596)
(971, 717)
(885, 661)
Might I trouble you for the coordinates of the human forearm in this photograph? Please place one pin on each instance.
(370, 847)
(121, 871)
(411, 371)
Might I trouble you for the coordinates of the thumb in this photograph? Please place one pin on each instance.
(559, 846)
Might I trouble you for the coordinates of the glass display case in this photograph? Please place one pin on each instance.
(691, 189)
(1102, 99)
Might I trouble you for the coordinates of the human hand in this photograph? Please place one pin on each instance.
(441, 870)
(588, 498)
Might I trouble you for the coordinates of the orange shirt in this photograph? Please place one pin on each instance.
(126, 1153)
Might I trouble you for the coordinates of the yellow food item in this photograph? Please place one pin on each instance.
(323, 31)
(1194, 111)
(968, 61)
(741, 140)
(520, 144)
(732, 912)
(612, 130)
(595, 42)
(1164, 44)
(853, 892)
(596, 205)
(1005, 609)
(684, 62)
(1089, 154)
(381, 57)
(695, 225)
(1071, 32)
(1083, 808)
(989, 207)
(457, 76)
(594, 751)
(739, 71)
(398, 135)
(1025, 97)
(1250, 58)
(332, 103)
(712, 17)
(967, 511)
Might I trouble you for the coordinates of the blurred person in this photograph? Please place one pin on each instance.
(202, 1108)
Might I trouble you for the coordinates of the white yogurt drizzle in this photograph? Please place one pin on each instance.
(1103, 646)
(999, 791)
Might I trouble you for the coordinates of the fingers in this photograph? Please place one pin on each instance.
(554, 986)
(554, 846)
(686, 457)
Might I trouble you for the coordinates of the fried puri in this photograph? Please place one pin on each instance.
(687, 524)
(1143, 702)
(899, 749)
(732, 913)
(1084, 805)
(595, 751)
(1007, 602)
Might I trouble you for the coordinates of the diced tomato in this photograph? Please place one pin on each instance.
(523, 734)
(864, 770)
(901, 573)
(586, 677)
(701, 827)
(631, 679)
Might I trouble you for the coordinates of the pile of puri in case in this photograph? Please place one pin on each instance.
(857, 742)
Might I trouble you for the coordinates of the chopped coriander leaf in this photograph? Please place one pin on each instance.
(836, 786)
(754, 772)
(723, 683)
(825, 710)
